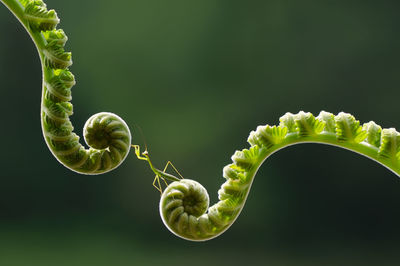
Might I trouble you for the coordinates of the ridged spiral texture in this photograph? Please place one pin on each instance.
(181, 204)
(106, 134)
(342, 130)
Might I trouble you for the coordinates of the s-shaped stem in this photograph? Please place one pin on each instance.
(184, 204)
(106, 133)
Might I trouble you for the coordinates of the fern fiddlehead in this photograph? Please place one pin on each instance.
(106, 134)
(184, 203)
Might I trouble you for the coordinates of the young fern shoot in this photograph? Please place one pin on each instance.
(106, 134)
(184, 203)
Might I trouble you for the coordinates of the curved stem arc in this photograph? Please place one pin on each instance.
(180, 198)
(107, 135)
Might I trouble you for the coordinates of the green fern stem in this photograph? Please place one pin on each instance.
(106, 134)
(184, 204)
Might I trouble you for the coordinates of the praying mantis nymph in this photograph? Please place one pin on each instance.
(160, 174)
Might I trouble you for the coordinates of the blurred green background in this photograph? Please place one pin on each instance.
(198, 76)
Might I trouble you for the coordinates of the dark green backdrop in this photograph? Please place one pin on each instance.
(198, 76)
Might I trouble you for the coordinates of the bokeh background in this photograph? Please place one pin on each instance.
(197, 77)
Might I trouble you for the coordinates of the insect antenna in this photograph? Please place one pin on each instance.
(141, 134)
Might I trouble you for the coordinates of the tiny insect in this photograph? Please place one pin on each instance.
(160, 174)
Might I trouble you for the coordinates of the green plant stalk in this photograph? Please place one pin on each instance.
(184, 204)
(106, 134)
(18, 11)
(363, 148)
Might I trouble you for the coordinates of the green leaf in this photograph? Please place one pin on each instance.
(246, 158)
(329, 119)
(38, 17)
(373, 133)
(308, 125)
(349, 129)
(287, 120)
(267, 136)
(390, 143)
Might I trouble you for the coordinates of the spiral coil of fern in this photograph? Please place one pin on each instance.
(184, 204)
(106, 134)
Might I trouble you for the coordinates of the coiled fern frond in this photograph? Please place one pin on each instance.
(183, 204)
(106, 134)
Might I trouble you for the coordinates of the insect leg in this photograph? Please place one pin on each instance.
(157, 184)
(176, 170)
